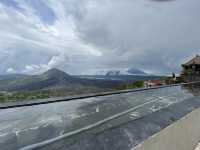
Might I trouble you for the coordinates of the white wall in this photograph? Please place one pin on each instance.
(182, 135)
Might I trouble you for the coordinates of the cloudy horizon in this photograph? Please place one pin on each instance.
(88, 36)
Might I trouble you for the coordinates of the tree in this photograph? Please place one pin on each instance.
(173, 75)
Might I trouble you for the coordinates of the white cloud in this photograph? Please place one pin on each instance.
(91, 35)
(23, 32)
(55, 62)
(10, 70)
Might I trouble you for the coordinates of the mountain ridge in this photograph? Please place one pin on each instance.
(53, 79)
(135, 71)
(117, 72)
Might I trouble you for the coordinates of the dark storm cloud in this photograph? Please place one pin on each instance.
(139, 33)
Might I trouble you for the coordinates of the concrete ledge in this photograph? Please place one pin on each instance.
(182, 135)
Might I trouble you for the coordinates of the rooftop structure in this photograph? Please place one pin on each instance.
(192, 66)
(191, 69)
(193, 61)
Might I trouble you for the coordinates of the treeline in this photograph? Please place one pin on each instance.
(19, 96)
(43, 94)
(131, 85)
(50, 93)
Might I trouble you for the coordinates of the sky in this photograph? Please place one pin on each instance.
(90, 36)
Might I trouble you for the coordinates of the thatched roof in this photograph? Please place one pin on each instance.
(194, 61)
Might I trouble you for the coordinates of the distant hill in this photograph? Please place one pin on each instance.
(117, 72)
(53, 79)
(135, 71)
(113, 73)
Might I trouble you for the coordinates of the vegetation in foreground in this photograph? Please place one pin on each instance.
(44, 94)
(131, 85)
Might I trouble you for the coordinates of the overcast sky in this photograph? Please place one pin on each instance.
(87, 36)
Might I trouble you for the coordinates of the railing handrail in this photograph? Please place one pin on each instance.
(65, 99)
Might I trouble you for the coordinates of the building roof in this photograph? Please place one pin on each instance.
(195, 60)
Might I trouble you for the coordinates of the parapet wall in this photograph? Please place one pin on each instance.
(181, 135)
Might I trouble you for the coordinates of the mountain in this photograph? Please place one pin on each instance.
(53, 79)
(135, 71)
(123, 75)
(130, 71)
(113, 73)
(55, 73)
